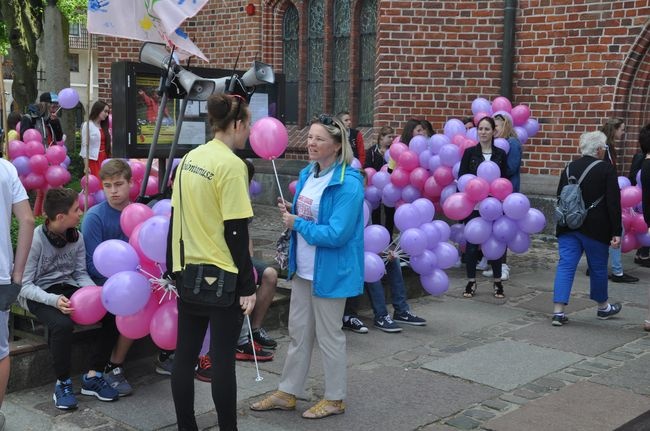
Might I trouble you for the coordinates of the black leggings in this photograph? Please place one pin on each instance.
(225, 325)
(60, 327)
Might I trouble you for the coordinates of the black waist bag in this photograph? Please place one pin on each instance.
(207, 285)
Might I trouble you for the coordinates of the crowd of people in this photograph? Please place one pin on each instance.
(209, 232)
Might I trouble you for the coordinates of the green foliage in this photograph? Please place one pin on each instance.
(73, 10)
(14, 228)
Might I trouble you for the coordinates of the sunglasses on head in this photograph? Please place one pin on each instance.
(241, 101)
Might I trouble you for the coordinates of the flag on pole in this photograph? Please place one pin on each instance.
(149, 20)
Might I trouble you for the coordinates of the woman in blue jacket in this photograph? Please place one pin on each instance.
(325, 265)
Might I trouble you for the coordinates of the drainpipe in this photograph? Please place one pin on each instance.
(507, 61)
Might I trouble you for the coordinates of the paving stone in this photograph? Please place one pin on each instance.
(514, 399)
(535, 388)
(524, 393)
(85, 419)
(580, 373)
(583, 406)
(633, 375)
(617, 356)
(481, 415)
(564, 376)
(496, 405)
(463, 422)
(478, 364)
(549, 383)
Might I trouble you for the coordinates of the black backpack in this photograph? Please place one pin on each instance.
(570, 210)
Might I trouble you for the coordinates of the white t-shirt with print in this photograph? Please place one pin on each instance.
(307, 206)
(11, 192)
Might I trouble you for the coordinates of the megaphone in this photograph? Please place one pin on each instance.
(259, 73)
(197, 88)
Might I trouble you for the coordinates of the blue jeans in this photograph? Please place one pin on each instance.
(397, 291)
(570, 247)
(615, 257)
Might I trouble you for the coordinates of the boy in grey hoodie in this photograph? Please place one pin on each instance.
(55, 269)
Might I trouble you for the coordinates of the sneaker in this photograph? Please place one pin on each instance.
(164, 368)
(116, 380)
(245, 353)
(98, 387)
(63, 397)
(261, 337)
(482, 265)
(203, 370)
(409, 318)
(613, 309)
(623, 278)
(355, 324)
(505, 272)
(386, 324)
(489, 273)
(559, 320)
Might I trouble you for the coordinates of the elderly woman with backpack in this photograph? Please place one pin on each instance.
(600, 228)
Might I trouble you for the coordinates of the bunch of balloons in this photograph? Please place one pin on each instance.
(634, 226)
(422, 239)
(37, 167)
(134, 290)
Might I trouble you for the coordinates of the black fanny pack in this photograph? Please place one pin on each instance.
(208, 285)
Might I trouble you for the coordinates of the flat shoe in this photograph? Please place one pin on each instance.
(278, 400)
(325, 408)
(646, 325)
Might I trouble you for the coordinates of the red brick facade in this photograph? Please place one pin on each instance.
(577, 62)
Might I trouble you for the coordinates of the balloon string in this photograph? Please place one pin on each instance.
(161, 283)
(275, 171)
(250, 333)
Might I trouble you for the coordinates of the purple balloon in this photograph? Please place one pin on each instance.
(434, 162)
(366, 212)
(488, 170)
(516, 206)
(446, 192)
(153, 238)
(455, 170)
(407, 216)
(426, 209)
(443, 229)
(532, 127)
(419, 143)
(503, 144)
(533, 222)
(519, 243)
(374, 268)
(381, 179)
(356, 164)
(375, 238)
(390, 194)
(410, 193)
(424, 158)
(644, 239)
(99, 196)
(437, 141)
(481, 104)
(21, 164)
(373, 195)
(424, 263)
(462, 181)
(126, 293)
(413, 241)
(432, 234)
(456, 231)
(638, 179)
(113, 256)
(623, 182)
(387, 156)
(163, 207)
(493, 248)
(449, 155)
(478, 230)
(472, 134)
(522, 134)
(255, 188)
(446, 254)
(454, 127)
(490, 208)
(436, 283)
(504, 229)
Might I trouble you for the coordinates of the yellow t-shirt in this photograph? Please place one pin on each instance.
(12, 135)
(215, 188)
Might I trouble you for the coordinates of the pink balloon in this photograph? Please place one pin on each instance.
(292, 186)
(477, 189)
(56, 154)
(34, 147)
(626, 219)
(38, 164)
(374, 268)
(268, 138)
(138, 325)
(468, 143)
(443, 175)
(152, 186)
(456, 140)
(92, 184)
(479, 116)
(500, 188)
(431, 189)
(137, 170)
(33, 135)
(57, 175)
(630, 196)
(87, 305)
(408, 160)
(82, 201)
(638, 224)
(16, 149)
(164, 326)
(458, 206)
(400, 177)
(33, 181)
(396, 150)
(501, 104)
(629, 242)
(520, 115)
(134, 190)
(133, 215)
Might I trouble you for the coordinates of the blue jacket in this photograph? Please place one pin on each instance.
(514, 163)
(338, 234)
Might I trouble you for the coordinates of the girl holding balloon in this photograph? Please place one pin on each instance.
(485, 150)
(95, 138)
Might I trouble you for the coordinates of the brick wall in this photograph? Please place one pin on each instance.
(577, 62)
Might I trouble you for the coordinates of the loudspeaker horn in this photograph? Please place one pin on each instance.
(196, 87)
(156, 54)
(259, 73)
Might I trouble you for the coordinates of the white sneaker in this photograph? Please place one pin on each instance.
(482, 265)
(505, 272)
(488, 273)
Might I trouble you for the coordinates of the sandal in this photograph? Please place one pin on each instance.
(277, 400)
(470, 289)
(325, 408)
(498, 290)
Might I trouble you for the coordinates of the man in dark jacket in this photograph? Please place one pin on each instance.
(600, 230)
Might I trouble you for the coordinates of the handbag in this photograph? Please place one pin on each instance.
(8, 295)
(202, 284)
(282, 249)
